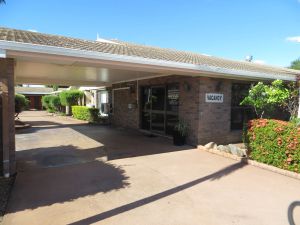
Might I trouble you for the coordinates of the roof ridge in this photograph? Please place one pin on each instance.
(52, 35)
(209, 56)
(136, 50)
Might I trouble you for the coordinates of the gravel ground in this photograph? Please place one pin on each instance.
(5, 189)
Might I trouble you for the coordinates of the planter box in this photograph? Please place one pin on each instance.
(178, 139)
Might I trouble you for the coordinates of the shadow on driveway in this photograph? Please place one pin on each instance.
(60, 174)
(130, 206)
(118, 142)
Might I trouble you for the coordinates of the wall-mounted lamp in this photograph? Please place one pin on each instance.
(219, 85)
(186, 86)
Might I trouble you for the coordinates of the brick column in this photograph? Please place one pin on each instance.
(8, 120)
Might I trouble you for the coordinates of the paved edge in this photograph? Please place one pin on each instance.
(252, 162)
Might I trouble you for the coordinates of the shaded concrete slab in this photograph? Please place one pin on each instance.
(170, 187)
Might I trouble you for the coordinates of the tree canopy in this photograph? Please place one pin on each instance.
(264, 97)
(295, 64)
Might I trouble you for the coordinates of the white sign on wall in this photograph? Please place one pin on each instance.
(214, 97)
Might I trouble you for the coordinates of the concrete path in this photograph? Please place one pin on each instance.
(64, 178)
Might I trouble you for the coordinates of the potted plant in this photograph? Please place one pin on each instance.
(180, 133)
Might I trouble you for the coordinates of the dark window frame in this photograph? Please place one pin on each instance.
(167, 111)
(241, 113)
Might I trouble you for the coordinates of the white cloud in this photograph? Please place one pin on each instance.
(258, 61)
(294, 39)
(32, 30)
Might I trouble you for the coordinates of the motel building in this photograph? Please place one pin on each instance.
(149, 88)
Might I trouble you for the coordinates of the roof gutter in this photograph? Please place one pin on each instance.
(184, 67)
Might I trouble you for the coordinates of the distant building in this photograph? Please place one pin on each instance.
(34, 94)
(96, 97)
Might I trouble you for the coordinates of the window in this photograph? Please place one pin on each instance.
(103, 104)
(240, 114)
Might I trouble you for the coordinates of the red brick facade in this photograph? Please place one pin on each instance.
(207, 121)
(7, 148)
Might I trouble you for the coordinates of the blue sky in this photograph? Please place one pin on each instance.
(225, 28)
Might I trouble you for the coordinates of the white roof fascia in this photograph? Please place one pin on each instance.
(33, 93)
(34, 48)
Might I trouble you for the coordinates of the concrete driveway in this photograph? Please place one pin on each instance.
(70, 172)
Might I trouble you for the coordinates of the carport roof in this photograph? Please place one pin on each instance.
(120, 48)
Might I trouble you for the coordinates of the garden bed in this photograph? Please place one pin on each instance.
(269, 144)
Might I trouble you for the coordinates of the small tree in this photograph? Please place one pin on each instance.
(46, 101)
(51, 103)
(292, 103)
(264, 98)
(295, 64)
(55, 103)
(20, 104)
(69, 98)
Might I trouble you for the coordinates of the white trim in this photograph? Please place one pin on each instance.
(2, 53)
(34, 48)
(122, 88)
(144, 78)
(33, 93)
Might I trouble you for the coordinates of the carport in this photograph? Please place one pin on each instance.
(33, 63)
(23, 63)
(29, 57)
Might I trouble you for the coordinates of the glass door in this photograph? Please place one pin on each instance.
(158, 100)
(159, 111)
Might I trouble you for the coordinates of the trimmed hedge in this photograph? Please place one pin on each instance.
(70, 97)
(85, 113)
(21, 102)
(274, 142)
(51, 103)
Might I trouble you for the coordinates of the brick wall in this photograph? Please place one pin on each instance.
(214, 120)
(122, 115)
(207, 121)
(188, 102)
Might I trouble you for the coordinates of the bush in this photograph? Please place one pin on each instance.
(55, 102)
(85, 113)
(20, 103)
(274, 142)
(51, 103)
(70, 97)
(46, 101)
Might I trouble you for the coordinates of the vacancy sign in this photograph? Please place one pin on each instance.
(214, 97)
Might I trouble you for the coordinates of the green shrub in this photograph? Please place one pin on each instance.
(274, 142)
(85, 113)
(46, 101)
(21, 102)
(55, 102)
(51, 103)
(70, 97)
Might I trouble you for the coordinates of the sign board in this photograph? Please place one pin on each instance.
(214, 97)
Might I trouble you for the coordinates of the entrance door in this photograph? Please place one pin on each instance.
(159, 108)
(158, 100)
